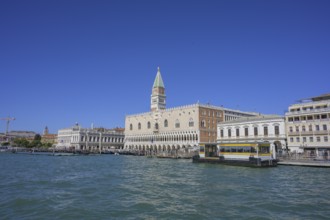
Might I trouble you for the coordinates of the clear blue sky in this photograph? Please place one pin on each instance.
(71, 61)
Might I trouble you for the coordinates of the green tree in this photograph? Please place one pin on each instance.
(24, 142)
(5, 144)
(37, 137)
(47, 145)
(35, 143)
(21, 142)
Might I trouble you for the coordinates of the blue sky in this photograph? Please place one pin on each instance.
(71, 61)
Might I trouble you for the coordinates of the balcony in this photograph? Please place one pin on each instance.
(294, 133)
(307, 133)
(309, 111)
(323, 132)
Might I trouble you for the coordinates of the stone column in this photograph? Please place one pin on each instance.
(100, 142)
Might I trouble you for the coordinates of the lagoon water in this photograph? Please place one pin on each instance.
(130, 187)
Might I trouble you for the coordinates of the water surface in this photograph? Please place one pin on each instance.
(129, 187)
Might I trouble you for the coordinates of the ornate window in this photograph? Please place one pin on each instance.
(156, 126)
(237, 132)
(277, 130)
(191, 122)
(165, 123)
(203, 123)
(130, 127)
(139, 126)
(177, 124)
(255, 129)
(149, 125)
(229, 132)
(265, 131)
(310, 128)
(246, 131)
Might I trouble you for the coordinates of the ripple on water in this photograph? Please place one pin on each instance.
(126, 187)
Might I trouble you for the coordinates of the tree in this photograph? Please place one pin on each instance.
(21, 142)
(35, 143)
(37, 137)
(25, 143)
(47, 145)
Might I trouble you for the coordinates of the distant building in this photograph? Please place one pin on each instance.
(3, 137)
(94, 139)
(29, 135)
(48, 138)
(22, 134)
(307, 125)
(181, 128)
(263, 128)
(46, 131)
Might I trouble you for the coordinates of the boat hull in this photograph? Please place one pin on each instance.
(252, 162)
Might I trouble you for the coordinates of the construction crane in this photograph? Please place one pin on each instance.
(8, 119)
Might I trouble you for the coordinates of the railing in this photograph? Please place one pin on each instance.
(307, 133)
(155, 142)
(297, 133)
(302, 157)
(321, 132)
(319, 110)
(294, 133)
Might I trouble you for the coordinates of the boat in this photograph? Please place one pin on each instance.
(64, 154)
(237, 154)
(4, 149)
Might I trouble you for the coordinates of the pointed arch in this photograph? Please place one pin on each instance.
(177, 123)
(191, 122)
(165, 123)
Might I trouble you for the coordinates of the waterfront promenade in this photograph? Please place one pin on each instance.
(303, 160)
(288, 160)
(305, 163)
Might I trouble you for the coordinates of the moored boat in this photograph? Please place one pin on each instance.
(237, 154)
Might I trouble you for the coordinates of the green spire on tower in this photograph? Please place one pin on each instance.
(158, 80)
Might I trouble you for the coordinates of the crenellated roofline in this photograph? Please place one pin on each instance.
(195, 105)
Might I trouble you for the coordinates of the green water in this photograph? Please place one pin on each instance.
(129, 187)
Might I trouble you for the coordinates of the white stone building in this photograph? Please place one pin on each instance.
(262, 128)
(94, 139)
(307, 125)
(181, 128)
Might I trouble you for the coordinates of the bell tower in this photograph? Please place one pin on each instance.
(46, 132)
(158, 97)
